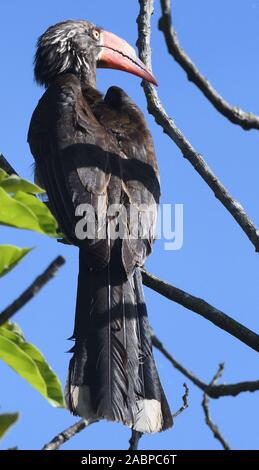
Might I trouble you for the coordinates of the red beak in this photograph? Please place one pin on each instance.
(118, 54)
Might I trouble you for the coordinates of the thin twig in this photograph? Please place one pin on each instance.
(185, 399)
(205, 405)
(214, 428)
(235, 115)
(203, 308)
(32, 290)
(134, 440)
(214, 391)
(5, 165)
(157, 110)
(218, 374)
(67, 434)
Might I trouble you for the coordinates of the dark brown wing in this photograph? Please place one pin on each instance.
(71, 151)
(97, 152)
(123, 119)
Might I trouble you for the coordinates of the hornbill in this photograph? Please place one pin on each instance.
(94, 150)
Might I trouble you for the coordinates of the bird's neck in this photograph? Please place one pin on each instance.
(88, 78)
(85, 71)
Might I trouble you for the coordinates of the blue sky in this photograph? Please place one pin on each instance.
(216, 262)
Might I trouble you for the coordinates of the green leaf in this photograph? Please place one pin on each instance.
(15, 328)
(6, 421)
(46, 220)
(3, 175)
(30, 364)
(14, 183)
(15, 214)
(26, 212)
(9, 256)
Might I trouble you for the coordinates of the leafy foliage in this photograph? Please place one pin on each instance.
(9, 257)
(13, 183)
(21, 208)
(29, 363)
(25, 211)
(6, 422)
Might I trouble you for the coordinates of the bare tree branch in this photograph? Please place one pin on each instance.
(185, 401)
(233, 113)
(197, 305)
(214, 391)
(214, 428)
(218, 374)
(67, 434)
(156, 109)
(205, 405)
(32, 290)
(134, 440)
(5, 165)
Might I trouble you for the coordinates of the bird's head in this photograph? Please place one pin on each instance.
(79, 47)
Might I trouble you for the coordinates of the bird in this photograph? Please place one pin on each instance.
(95, 151)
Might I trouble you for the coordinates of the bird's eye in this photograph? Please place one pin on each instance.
(96, 34)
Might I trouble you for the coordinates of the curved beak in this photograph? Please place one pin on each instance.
(115, 53)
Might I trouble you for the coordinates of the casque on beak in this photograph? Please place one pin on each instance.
(115, 53)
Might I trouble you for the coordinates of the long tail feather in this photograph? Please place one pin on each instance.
(112, 373)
